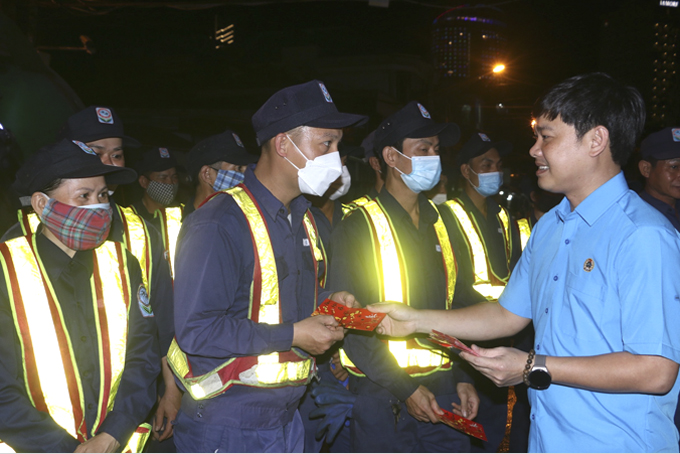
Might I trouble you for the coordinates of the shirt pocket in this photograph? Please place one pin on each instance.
(583, 307)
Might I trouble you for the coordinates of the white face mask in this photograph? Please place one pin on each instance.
(317, 175)
(439, 198)
(346, 179)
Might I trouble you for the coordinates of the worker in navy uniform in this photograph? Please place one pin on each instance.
(249, 267)
(214, 164)
(79, 351)
(660, 165)
(487, 243)
(158, 178)
(398, 402)
(101, 129)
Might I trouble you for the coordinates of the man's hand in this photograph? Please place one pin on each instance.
(168, 405)
(423, 406)
(469, 401)
(316, 334)
(345, 298)
(102, 442)
(339, 372)
(502, 365)
(400, 320)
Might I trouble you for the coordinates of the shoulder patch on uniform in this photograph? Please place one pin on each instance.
(143, 302)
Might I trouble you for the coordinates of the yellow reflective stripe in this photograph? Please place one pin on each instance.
(116, 309)
(447, 256)
(31, 218)
(171, 225)
(317, 246)
(48, 358)
(5, 448)
(389, 257)
(504, 219)
(480, 264)
(140, 244)
(138, 439)
(524, 231)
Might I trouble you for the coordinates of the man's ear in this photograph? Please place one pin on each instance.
(599, 141)
(38, 202)
(645, 168)
(143, 181)
(390, 156)
(465, 170)
(280, 144)
(374, 163)
(205, 175)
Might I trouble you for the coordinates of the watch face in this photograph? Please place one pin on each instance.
(539, 379)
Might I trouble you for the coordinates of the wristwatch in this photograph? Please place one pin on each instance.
(539, 377)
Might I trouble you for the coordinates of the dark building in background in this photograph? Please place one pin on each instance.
(639, 45)
(665, 103)
(468, 43)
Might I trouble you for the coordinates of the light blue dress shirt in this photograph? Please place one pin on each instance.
(604, 278)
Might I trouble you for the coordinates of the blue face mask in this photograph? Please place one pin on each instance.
(489, 183)
(227, 179)
(425, 172)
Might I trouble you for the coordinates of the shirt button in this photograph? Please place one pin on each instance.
(538, 347)
(533, 417)
(554, 278)
(200, 415)
(86, 374)
(83, 338)
(566, 241)
(90, 406)
(546, 310)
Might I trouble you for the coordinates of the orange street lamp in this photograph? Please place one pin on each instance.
(499, 68)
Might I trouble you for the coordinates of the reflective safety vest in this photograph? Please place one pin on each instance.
(524, 231)
(171, 223)
(347, 208)
(275, 370)
(135, 237)
(487, 283)
(51, 374)
(416, 358)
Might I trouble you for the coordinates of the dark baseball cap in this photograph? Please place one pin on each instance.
(350, 150)
(66, 159)
(413, 121)
(157, 159)
(96, 123)
(226, 147)
(479, 144)
(662, 145)
(308, 104)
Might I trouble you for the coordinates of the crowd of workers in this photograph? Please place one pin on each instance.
(168, 327)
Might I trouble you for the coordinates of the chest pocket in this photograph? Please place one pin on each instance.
(584, 305)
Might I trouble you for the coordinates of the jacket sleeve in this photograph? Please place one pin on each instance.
(137, 390)
(161, 294)
(23, 427)
(352, 269)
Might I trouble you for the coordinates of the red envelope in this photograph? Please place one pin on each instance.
(449, 341)
(361, 319)
(463, 424)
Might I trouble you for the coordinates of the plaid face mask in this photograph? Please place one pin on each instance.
(163, 193)
(227, 179)
(79, 228)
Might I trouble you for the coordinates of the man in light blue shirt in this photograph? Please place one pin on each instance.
(598, 279)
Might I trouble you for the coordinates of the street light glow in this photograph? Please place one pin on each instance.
(499, 68)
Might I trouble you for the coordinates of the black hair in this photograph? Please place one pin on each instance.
(653, 161)
(399, 145)
(596, 99)
(52, 186)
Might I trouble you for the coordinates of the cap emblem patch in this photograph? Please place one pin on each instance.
(324, 90)
(164, 152)
(237, 139)
(484, 137)
(84, 147)
(676, 134)
(423, 111)
(588, 265)
(104, 115)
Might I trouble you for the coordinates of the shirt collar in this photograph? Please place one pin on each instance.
(428, 215)
(267, 202)
(57, 261)
(598, 202)
(492, 207)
